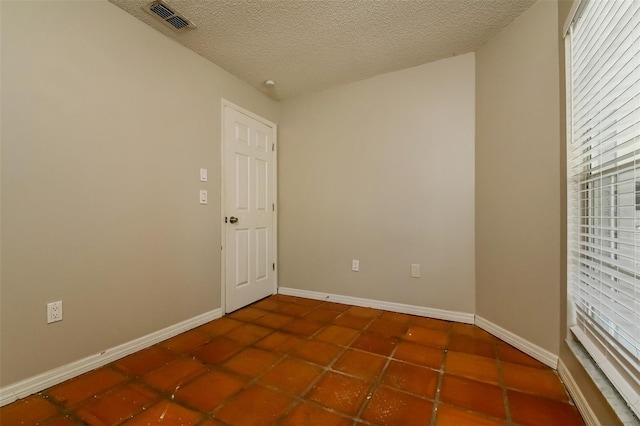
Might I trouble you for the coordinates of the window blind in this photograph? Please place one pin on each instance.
(603, 170)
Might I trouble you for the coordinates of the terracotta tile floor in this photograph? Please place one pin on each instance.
(293, 361)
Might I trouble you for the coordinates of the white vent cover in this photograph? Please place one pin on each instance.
(168, 14)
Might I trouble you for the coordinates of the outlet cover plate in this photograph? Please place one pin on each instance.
(355, 265)
(54, 312)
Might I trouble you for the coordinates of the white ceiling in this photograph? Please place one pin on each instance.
(306, 46)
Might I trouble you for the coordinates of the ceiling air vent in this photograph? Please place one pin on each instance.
(168, 15)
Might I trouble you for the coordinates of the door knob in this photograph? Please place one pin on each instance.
(233, 219)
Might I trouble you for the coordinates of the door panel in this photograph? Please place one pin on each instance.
(250, 187)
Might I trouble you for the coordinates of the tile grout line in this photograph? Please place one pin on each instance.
(255, 380)
(503, 386)
(299, 398)
(376, 384)
(436, 398)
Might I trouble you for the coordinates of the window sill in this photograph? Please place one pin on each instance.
(615, 400)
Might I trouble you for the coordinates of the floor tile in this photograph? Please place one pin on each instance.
(419, 354)
(421, 381)
(390, 407)
(473, 395)
(337, 335)
(364, 365)
(211, 422)
(248, 333)
(71, 392)
(448, 415)
(427, 336)
(299, 300)
(220, 326)
(510, 354)
(268, 304)
(321, 315)
(166, 413)
(475, 367)
(294, 310)
(375, 343)
(538, 381)
(209, 390)
(533, 410)
(291, 375)
(396, 317)
(472, 331)
(143, 361)
(251, 362)
(471, 345)
(387, 328)
(339, 392)
(307, 414)
(247, 314)
(116, 406)
(30, 410)
(302, 327)
(186, 342)
(273, 320)
(60, 420)
(265, 407)
(172, 376)
(346, 320)
(218, 350)
(358, 311)
(281, 343)
(333, 306)
(432, 323)
(319, 352)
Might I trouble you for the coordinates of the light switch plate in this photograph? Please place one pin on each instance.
(203, 196)
(203, 175)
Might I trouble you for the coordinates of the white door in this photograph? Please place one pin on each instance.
(249, 211)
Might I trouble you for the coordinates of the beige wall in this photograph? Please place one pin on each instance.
(382, 171)
(105, 124)
(518, 168)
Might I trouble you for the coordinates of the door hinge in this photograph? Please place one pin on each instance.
(273, 207)
(273, 147)
(273, 266)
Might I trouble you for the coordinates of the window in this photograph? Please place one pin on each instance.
(603, 170)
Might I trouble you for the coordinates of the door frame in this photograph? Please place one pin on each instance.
(223, 196)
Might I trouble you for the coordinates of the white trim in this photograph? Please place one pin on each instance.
(23, 388)
(223, 194)
(576, 394)
(518, 342)
(571, 16)
(608, 364)
(378, 304)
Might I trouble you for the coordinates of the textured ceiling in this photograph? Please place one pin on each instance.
(306, 46)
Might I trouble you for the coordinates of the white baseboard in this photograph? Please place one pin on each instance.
(378, 304)
(21, 389)
(585, 410)
(525, 346)
(518, 342)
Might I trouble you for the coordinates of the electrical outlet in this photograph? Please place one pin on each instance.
(355, 265)
(54, 312)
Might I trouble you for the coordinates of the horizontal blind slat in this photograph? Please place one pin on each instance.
(603, 179)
